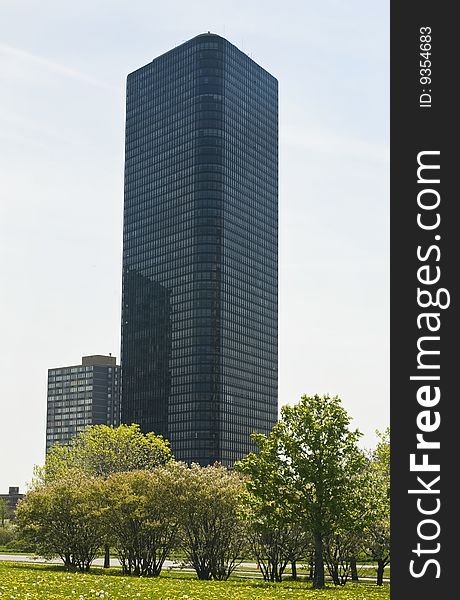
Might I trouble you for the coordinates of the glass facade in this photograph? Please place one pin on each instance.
(200, 250)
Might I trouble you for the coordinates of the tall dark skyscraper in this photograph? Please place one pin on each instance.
(200, 250)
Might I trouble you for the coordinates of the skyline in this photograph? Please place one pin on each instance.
(62, 137)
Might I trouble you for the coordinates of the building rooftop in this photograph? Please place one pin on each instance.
(99, 360)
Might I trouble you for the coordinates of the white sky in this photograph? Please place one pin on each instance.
(62, 83)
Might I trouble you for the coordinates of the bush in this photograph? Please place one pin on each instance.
(275, 546)
(142, 518)
(210, 505)
(7, 534)
(21, 545)
(64, 518)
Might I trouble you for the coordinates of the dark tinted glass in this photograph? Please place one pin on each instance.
(199, 314)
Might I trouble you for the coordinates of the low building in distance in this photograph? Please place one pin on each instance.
(82, 395)
(12, 497)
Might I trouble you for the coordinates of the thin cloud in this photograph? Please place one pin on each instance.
(52, 66)
(18, 124)
(327, 142)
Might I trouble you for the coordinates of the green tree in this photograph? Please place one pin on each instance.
(4, 511)
(210, 504)
(142, 517)
(274, 536)
(65, 518)
(340, 549)
(377, 535)
(274, 547)
(343, 544)
(314, 457)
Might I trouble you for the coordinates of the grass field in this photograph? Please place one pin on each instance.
(38, 582)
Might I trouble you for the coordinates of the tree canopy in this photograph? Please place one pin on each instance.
(101, 450)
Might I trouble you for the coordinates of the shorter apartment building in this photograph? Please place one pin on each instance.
(82, 395)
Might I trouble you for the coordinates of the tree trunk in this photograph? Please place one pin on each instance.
(106, 556)
(318, 578)
(335, 574)
(294, 569)
(380, 568)
(354, 570)
(312, 569)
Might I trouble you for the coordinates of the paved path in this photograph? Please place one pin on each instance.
(98, 562)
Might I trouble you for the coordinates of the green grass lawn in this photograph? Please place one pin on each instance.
(37, 582)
